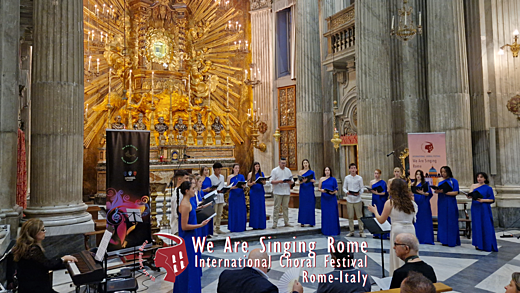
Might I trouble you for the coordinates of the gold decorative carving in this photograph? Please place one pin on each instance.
(513, 105)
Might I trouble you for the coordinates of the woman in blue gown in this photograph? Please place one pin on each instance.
(379, 198)
(481, 217)
(237, 212)
(206, 188)
(189, 280)
(329, 204)
(257, 213)
(448, 211)
(424, 223)
(306, 213)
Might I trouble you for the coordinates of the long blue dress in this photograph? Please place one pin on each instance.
(482, 221)
(237, 207)
(208, 229)
(306, 212)
(448, 216)
(424, 222)
(379, 201)
(329, 208)
(189, 280)
(257, 205)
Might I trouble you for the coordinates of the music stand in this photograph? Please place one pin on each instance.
(134, 216)
(374, 227)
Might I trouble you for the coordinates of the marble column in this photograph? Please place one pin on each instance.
(262, 56)
(309, 102)
(9, 50)
(501, 19)
(408, 81)
(448, 85)
(57, 121)
(373, 81)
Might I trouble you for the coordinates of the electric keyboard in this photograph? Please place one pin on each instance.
(86, 270)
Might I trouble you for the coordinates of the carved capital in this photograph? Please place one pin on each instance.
(260, 4)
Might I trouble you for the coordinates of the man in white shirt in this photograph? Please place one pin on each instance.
(353, 187)
(179, 177)
(218, 179)
(281, 192)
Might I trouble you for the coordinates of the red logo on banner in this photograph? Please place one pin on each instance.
(427, 147)
(173, 259)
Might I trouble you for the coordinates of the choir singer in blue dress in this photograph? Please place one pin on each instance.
(481, 217)
(256, 198)
(448, 211)
(379, 198)
(329, 203)
(237, 202)
(424, 223)
(306, 213)
(206, 188)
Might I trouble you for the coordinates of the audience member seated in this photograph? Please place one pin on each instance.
(406, 248)
(251, 279)
(33, 266)
(514, 285)
(417, 283)
(336, 286)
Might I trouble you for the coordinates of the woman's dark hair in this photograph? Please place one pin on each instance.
(329, 170)
(307, 162)
(448, 171)
(233, 169)
(253, 171)
(422, 178)
(184, 186)
(400, 196)
(201, 173)
(483, 175)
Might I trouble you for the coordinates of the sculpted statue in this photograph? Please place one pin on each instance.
(161, 127)
(180, 126)
(139, 125)
(217, 126)
(118, 124)
(199, 127)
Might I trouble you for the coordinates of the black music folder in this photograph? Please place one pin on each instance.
(374, 227)
(356, 193)
(378, 189)
(475, 195)
(206, 213)
(289, 180)
(423, 188)
(259, 180)
(308, 177)
(444, 187)
(226, 188)
(210, 197)
(241, 184)
(328, 191)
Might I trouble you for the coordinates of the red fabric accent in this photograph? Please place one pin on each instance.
(349, 139)
(21, 173)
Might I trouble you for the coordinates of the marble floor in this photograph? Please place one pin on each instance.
(463, 268)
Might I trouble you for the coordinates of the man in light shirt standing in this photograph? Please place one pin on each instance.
(281, 192)
(218, 179)
(353, 187)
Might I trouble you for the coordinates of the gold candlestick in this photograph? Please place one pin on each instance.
(191, 141)
(152, 127)
(209, 136)
(227, 137)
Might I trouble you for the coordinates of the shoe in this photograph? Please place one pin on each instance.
(302, 225)
(288, 225)
(312, 226)
(351, 234)
(275, 227)
(362, 235)
(218, 231)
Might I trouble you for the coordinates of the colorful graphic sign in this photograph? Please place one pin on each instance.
(173, 259)
(427, 152)
(128, 184)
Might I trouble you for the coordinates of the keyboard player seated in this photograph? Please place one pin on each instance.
(33, 265)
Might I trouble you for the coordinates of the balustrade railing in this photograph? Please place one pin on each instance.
(341, 32)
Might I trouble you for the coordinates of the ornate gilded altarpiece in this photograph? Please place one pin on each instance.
(287, 125)
(174, 67)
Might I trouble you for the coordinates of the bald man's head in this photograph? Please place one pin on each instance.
(260, 259)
